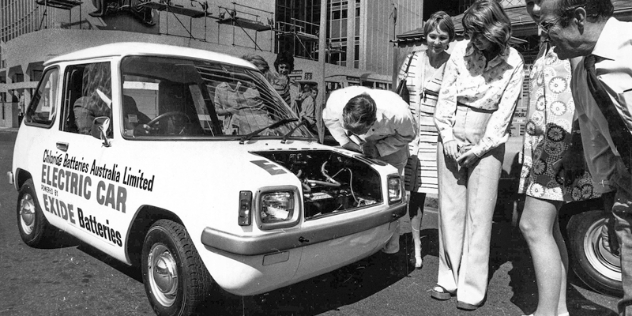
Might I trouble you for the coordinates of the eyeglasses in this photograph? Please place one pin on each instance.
(546, 26)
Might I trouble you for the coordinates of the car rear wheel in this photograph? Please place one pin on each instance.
(175, 279)
(591, 258)
(33, 226)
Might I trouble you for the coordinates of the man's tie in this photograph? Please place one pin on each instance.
(619, 132)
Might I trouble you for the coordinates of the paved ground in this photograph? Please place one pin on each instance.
(72, 278)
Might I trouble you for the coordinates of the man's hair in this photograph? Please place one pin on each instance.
(359, 112)
(442, 21)
(598, 9)
(488, 18)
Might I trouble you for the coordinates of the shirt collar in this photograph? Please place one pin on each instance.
(609, 40)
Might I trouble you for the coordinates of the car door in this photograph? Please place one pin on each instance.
(38, 135)
(88, 178)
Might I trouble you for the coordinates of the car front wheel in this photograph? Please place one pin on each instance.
(592, 259)
(175, 279)
(33, 226)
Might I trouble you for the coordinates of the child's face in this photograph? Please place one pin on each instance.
(284, 69)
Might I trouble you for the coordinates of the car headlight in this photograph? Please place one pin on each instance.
(278, 207)
(395, 191)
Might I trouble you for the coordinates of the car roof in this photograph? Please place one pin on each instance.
(135, 48)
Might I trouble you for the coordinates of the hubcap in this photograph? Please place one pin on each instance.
(163, 274)
(598, 254)
(27, 214)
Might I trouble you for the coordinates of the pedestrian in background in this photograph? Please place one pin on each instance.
(21, 108)
(602, 89)
(287, 87)
(481, 84)
(548, 135)
(307, 107)
(423, 80)
(376, 123)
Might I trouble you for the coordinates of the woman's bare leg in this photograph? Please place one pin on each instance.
(537, 224)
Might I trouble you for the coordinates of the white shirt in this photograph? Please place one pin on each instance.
(391, 133)
(472, 81)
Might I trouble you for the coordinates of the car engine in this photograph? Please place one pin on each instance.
(331, 183)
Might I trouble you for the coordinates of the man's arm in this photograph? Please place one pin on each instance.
(331, 118)
(446, 107)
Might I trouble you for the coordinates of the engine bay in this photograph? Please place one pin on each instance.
(331, 183)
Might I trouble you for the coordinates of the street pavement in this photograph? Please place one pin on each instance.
(71, 278)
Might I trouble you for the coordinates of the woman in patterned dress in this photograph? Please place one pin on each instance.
(482, 82)
(423, 81)
(548, 136)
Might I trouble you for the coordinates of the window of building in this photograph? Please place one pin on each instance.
(356, 56)
(338, 52)
(36, 75)
(298, 26)
(17, 77)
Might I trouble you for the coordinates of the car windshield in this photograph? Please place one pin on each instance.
(174, 97)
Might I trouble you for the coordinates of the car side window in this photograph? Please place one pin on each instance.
(87, 95)
(43, 108)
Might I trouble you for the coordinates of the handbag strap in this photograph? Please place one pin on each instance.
(410, 60)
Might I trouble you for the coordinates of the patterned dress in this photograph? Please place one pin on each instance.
(423, 99)
(548, 132)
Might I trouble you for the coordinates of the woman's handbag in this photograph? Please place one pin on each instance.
(402, 88)
(411, 174)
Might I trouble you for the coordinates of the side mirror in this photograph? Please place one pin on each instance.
(100, 127)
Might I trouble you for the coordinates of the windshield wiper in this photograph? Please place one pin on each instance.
(273, 125)
(286, 136)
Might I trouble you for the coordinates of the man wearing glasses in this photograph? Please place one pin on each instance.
(374, 122)
(602, 88)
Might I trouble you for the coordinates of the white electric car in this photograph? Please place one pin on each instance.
(189, 164)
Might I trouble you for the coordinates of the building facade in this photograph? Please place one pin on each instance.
(357, 35)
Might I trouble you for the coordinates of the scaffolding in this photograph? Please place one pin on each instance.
(245, 20)
(58, 4)
(302, 34)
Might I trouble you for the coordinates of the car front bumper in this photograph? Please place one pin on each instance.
(284, 240)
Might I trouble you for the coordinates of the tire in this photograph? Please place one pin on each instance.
(33, 226)
(591, 260)
(176, 281)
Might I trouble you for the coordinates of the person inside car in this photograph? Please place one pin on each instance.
(135, 121)
(96, 97)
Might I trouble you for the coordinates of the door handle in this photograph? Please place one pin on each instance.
(62, 146)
